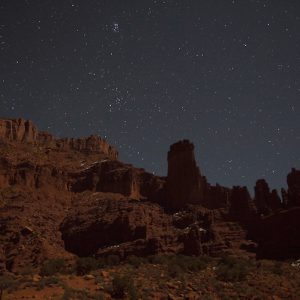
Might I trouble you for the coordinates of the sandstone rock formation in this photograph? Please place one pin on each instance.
(293, 181)
(278, 235)
(108, 220)
(241, 207)
(116, 177)
(18, 130)
(184, 182)
(265, 200)
(67, 197)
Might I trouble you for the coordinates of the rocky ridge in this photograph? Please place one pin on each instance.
(73, 197)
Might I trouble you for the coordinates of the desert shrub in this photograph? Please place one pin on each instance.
(99, 280)
(179, 264)
(135, 260)
(99, 296)
(174, 270)
(53, 266)
(7, 283)
(48, 281)
(122, 285)
(28, 270)
(70, 294)
(158, 259)
(232, 269)
(277, 268)
(85, 265)
(112, 260)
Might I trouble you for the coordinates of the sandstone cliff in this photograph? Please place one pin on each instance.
(19, 130)
(56, 194)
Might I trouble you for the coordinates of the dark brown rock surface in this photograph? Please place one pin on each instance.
(107, 220)
(278, 235)
(184, 182)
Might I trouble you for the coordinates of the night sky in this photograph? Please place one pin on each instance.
(223, 73)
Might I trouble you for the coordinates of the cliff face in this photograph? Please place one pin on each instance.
(57, 193)
(19, 130)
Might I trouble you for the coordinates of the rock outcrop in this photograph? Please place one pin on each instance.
(293, 181)
(116, 177)
(266, 201)
(67, 197)
(184, 182)
(278, 235)
(241, 207)
(20, 130)
(107, 221)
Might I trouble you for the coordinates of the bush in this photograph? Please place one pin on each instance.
(135, 260)
(122, 285)
(232, 269)
(48, 281)
(113, 260)
(6, 283)
(52, 267)
(178, 264)
(277, 268)
(85, 265)
(71, 293)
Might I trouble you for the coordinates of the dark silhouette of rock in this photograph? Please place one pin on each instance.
(193, 240)
(265, 200)
(293, 181)
(241, 205)
(184, 184)
(284, 197)
(215, 196)
(278, 235)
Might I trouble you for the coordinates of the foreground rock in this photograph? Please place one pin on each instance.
(278, 235)
(105, 223)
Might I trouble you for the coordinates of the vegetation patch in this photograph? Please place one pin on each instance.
(53, 266)
(122, 286)
(232, 269)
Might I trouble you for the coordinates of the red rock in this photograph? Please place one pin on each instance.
(103, 206)
(116, 177)
(18, 130)
(107, 221)
(184, 185)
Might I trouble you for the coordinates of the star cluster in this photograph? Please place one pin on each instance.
(144, 74)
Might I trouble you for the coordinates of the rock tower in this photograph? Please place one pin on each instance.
(184, 181)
